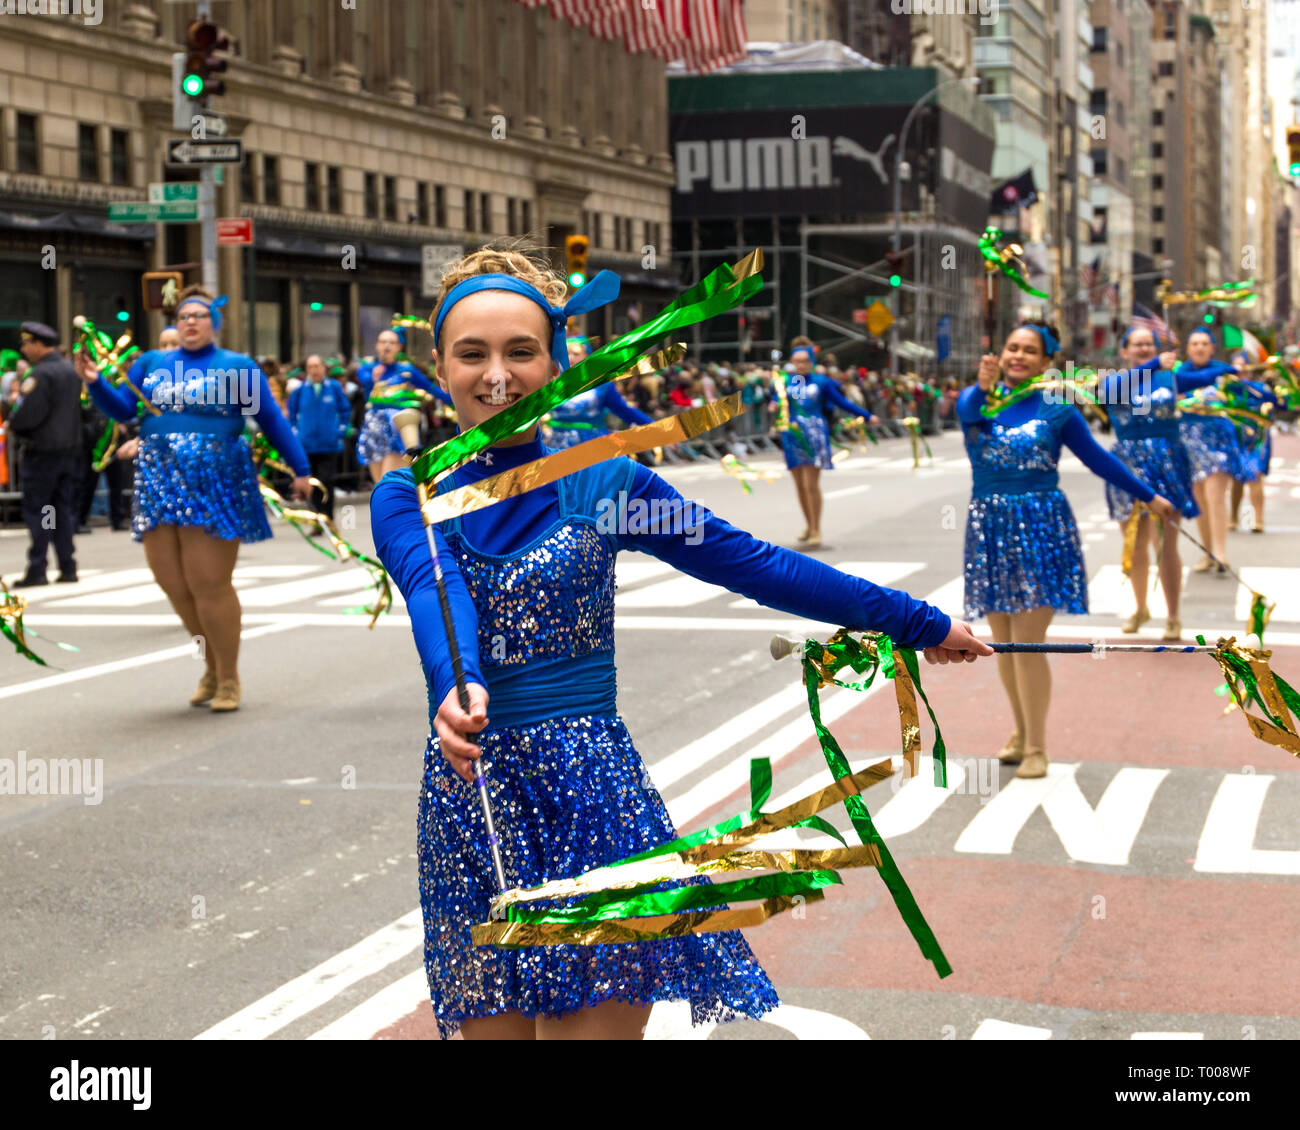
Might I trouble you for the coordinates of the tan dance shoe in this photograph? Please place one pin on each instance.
(207, 688)
(814, 540)
(1173, 630)
(1204, 565)
(1013, 753)
(804, 536)
(1134, 622)
(1034, 764)
(227, 696)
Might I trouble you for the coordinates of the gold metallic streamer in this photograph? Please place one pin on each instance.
(520, 480)
(1131, 536)
(1282, 733)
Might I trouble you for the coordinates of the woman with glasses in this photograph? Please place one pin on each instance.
(196, 491)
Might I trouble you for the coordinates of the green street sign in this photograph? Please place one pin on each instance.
(168, 192)
(143, 212)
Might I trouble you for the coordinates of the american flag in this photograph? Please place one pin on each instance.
(1145, 319)
(703, 34)
(1090, 274)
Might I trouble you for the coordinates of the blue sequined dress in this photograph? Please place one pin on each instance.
(1022, 543)
(1256, 443)
(1211, 441)
(583, 417)
(808, 441)
(193, 467)
(531, 587)
(1144, 413)
(378, 435)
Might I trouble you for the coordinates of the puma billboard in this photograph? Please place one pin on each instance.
(825, 162)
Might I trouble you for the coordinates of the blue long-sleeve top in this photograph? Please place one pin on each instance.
(398, 373)
(1190, 377)
(210, 390)
(1010, 466)
(320, 413)
(588, 409)
(703, 546)
(1142, 402)
(808, 395)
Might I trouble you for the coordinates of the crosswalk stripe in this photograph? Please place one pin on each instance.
(679, 592)
(990, 1029)
(886, 573)
(268, 596)
(386, 1007)
(318, 985)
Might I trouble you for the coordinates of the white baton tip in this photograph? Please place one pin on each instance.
(781, 647)
(79, 321)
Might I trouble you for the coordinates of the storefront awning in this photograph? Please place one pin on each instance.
(85, 223)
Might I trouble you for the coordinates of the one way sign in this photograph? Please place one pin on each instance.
(182, 152)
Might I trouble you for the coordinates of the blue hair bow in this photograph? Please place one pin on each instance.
(602, 289)
(213, 307)
(1050, 345)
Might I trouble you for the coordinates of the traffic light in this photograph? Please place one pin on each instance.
(894, 263)
(202, 39)
(1293, 150)
(161, 289)
(575, 252)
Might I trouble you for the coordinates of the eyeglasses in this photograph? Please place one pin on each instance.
(196, 317)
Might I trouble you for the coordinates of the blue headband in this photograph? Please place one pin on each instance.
(172, 328)
(602, 288)
(213, 307)
(1050, 345)
(1133, 329)
(1202, 330)
(808, 349)
(400, 332)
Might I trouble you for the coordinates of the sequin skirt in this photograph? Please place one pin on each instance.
(558, 439)
(197, 480)
(1160, 463)
(817, 435)
(378, 436)
(1255, 459)
(1023, 552)
(568, 794)
(1212, 446)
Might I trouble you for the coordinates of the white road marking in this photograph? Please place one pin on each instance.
(812, 1024)
(1004, 1030)
(679, 592)
(638, 568)
(1280, 585)
(186, 649)
(887, 573)
(1103, 835)
(1227, 841)
(1111, 594)
(306, 993)
(268, 596)
(385, 1008)
(847, 491)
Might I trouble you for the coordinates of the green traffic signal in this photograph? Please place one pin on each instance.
(316, 307)
(192, 84)
(577, 279)
(1295, 168)
(1208, 319)
(123, 316)
(895, 280)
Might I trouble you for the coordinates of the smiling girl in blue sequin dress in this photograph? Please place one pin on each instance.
(1023, 558)
(531, 584)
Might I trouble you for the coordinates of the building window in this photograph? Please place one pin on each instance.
(485, 212)
(1119, 54)
(29, 152)
(390, 198)
(1119, 112)
(526, 216)
(512, 216)
(1099, 162)
(1157, 117)
(1121, 170)
(1098, 39)
(270, 179)
(1157, 150)
(1097, 104)
(1158, 181)
(469, 210)
(311, 180)
(1165, 68)
(1157, 247)
(87, 152)
(422, 203)
(120, 156)
(1171, 24)
(334, 190)
(372, 196)
(248, 180)
(593, 229)
(1157, 215)
(439, 206)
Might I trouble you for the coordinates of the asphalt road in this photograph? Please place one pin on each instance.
(254, 874)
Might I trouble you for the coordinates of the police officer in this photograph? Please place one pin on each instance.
(319, 412)
(47, 420)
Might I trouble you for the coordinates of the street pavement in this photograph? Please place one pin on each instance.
(253, 875)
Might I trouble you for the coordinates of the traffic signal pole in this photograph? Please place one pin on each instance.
(207, 198)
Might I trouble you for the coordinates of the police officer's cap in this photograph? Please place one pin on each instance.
(40, 332)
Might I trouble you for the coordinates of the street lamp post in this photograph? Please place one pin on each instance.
(894, 303)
